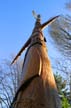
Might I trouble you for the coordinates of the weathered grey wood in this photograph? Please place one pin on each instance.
(41, 92)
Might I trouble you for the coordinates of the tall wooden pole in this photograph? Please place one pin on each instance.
(38, 88)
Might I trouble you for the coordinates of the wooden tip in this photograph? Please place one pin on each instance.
(49, 22)
(22, 49)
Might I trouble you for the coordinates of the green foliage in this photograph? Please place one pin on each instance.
(63, 92)
(65, 102)
(61, 84)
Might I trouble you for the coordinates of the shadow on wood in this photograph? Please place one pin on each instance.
(38, 88)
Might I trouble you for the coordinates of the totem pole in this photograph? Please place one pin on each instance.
(38, 88)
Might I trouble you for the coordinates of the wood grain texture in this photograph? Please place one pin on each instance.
(41, 92)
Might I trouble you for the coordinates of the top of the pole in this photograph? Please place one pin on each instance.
(37, 29)
(37, 17)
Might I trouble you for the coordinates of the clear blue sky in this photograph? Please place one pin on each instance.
(17, 22)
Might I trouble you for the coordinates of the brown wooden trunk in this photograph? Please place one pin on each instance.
(41, 91)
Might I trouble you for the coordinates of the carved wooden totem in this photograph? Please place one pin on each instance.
(38, 88)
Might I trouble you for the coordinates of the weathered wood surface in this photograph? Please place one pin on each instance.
(41, 92)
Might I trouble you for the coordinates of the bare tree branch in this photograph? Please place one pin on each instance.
(60, 31)
(9, 80)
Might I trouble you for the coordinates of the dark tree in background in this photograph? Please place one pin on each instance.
(60, 33)
(63, 91)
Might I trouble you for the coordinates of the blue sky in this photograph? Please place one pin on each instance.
(17, 21)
